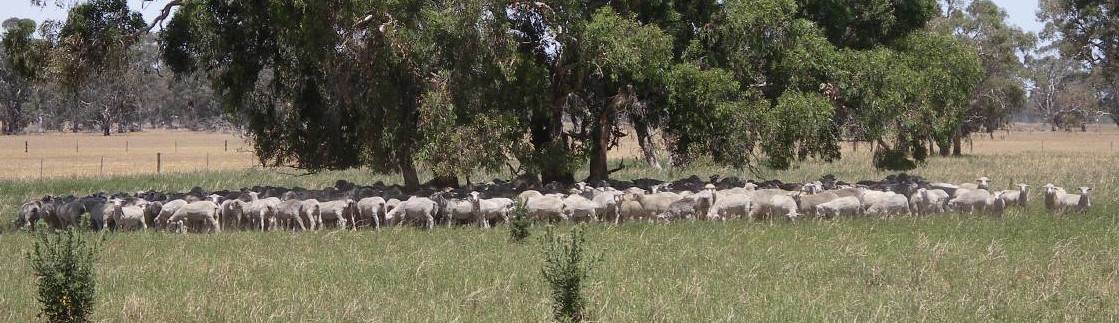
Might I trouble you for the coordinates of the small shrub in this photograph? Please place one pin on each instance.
(566, 268)
(63, 263)
(519, 222)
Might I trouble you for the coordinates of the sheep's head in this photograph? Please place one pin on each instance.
(983, 182)
(1085, 190)
(1050, 189)
(1023, 187)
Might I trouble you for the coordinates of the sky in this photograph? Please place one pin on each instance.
(1020, 12)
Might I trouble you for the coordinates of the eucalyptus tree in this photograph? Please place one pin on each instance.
(1085, 30)
(21, 65)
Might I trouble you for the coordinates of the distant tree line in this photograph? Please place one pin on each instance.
(48, 88)
(549, 86)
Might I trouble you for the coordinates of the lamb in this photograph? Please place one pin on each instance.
(546, 208)
(460, 210)
(656, 203)
(370, 210)
(342, 211)
(766, 205)
(981, 183)
(1051, 192)
(895, 204)
(730, 206)
(1056, 199)
(416, 209)
(205, 211)
(806, 203)
(258, 212)
(842, 206)
(310, 214)
(286, 212)
(231, 212)
(490, 209)
(166, 210)
(871, 197)
(629, 208)
(130, 216)
(607, 203)
(1019, 197)
(928, 201)
(577, 207)
(996, 203)
(685, 208)
(970, 201)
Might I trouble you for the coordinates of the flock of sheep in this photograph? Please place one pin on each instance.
(348, 206)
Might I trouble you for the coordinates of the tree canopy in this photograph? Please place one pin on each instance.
(452, 86)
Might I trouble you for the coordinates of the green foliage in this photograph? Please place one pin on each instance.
(91, 40)
(869, 23)
(1084, 30)
(519, 223)
(63, 264)
(24, 55)
(567, 269)
(707, 115)
(801, 126)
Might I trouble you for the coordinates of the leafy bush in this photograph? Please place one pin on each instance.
(566, 268)
(519, 222)
(63, 263)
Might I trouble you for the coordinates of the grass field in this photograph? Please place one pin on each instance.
(1024, 266)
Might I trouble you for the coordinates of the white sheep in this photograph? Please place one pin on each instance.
(370, 210)
(128, 216)
(416, 209)
(730, 206)
(629, 209)
(204, 211)
(284, 213)
(842, 206)
(1019, 197)
(490, 209)
(806, 203)
(656, 203)
(311, 214)
(578, 208)
(342, 211)
(460, 210)
(928, 201)
(895, 204)
(166, 210)
(1056, 199)
(970, 201)
(767, 205)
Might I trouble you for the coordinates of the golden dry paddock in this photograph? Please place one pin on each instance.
(185, 151)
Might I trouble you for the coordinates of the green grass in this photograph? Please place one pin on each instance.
(1024, 266)
(948, 268)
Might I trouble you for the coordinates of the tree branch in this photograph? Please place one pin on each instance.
(163, 14)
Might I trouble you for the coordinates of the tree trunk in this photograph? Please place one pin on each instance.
(547, 140)
(600, 141)
(645, 140)
(411, 178)
(956, 144)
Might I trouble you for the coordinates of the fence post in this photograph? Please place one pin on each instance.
(126, 146)
(40, 168)
(102, 165)
(25, 146)
(176, 146)
(158, 163)
(207, 161)
(227, 145)
(75, 145)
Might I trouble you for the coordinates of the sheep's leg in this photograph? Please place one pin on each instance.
(214, 224)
